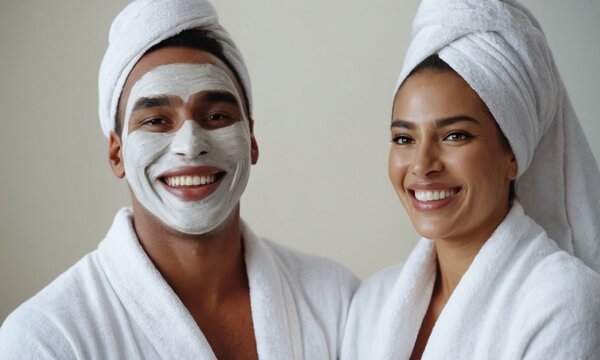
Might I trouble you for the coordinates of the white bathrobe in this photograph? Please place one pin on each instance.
(114, 304)
(521, 298)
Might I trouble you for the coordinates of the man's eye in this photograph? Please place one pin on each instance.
(154, 121)
(402, 140)
(218, 117)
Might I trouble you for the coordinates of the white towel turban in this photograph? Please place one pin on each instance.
(500, 50)
(145, 23)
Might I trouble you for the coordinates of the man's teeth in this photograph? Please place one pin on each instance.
(434, 195)
(189, 180)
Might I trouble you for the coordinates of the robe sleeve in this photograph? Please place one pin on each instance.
(580, 340)
(563, 320)
(28, 334)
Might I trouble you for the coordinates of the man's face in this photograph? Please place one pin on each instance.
(187, 145)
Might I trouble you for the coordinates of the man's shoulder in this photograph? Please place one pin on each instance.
(42, 323)
(67, 287)
(311, 268)
(31, 333)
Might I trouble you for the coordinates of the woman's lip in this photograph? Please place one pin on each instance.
(432, 186)
(432, 204)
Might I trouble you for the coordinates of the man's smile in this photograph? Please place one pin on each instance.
(192, 183)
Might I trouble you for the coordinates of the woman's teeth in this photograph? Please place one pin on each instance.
(189, 180)
(434, 195)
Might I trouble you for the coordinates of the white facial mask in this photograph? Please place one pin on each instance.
(149, 154)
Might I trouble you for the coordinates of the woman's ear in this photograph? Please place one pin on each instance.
(513, 168)
(115, 156)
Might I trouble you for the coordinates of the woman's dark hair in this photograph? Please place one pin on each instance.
(434, 62)
(195, 39)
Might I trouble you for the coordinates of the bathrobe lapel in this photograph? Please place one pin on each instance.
(406, 309)
(477, 296)
(274, 309)
(167, 324)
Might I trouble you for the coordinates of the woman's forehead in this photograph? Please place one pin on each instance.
(437, 94)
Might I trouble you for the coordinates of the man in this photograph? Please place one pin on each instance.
(179, 275)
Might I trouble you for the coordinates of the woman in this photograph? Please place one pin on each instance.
(495, 173)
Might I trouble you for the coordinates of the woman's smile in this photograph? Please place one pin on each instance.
(428, 197)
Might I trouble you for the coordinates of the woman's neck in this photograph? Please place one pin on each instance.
(455, 255)
(453, 261)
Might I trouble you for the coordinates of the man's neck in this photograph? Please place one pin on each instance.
(201, 269)
(208, 274)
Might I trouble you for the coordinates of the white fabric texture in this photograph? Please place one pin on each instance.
(145, 23)
(114, 304)
(501, 52)
(521, 298)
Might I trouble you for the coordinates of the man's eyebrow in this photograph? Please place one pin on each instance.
(149, 102)
(438, 123)
(219, 96)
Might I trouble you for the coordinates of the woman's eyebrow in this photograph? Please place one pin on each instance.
(398, 123)
(454, 119)
(403, 124)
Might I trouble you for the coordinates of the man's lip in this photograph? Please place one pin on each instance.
(193, 192)
(191, 171)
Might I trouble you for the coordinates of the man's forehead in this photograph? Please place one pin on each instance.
(182, 80)
(173, 55)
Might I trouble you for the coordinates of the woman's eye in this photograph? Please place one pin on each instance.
(457, 136)
(402, 140)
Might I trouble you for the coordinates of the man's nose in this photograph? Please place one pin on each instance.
(189, 141)
(426, 160)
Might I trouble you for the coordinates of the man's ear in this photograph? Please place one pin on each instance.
(253, 143)
(115, 156)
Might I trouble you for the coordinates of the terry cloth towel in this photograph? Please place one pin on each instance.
(499, 49)
(145, 23)
(521, 298)
(114, 304)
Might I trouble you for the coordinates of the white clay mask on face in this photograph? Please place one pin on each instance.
(191, 179)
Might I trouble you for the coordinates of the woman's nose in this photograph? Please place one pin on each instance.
(189, 141)
(426, 160)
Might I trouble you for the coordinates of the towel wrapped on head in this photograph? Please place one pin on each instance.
(500, 50)
(145, 23)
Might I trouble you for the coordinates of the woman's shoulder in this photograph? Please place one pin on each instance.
(551, 276)
(560, 279)
(557, 309)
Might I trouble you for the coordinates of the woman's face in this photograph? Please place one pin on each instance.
(447, 162)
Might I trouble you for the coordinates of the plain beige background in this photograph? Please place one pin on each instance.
(323, 72)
